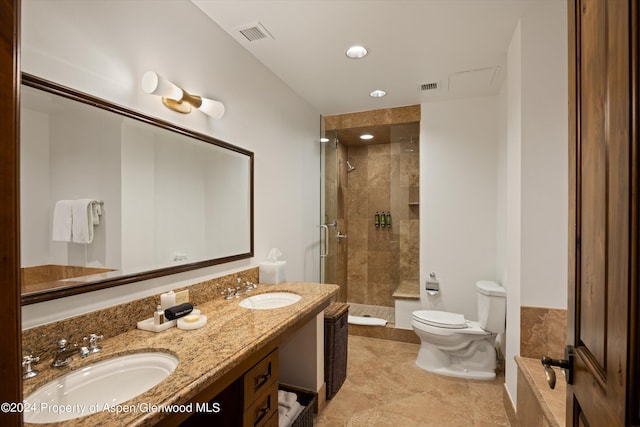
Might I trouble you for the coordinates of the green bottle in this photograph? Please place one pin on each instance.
(376, 220)
(388, 219)
(382, 220)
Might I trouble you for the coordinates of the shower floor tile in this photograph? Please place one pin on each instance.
(384, 387)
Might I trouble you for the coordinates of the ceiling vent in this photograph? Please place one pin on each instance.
(428, 86)
(254, 32)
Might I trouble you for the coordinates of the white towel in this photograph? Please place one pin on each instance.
(96, 211)
(61, 227)
(85, 214)
(286, 398)
(290, 415)
(282, 412)
(367, 321)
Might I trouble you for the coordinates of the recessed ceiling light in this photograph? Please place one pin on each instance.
(377, 93)
(366, 136)
(324, 139)
(356, 52)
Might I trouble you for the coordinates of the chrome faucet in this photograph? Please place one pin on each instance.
(229, 293)
(249, 287)
(93, 343)
(238, 293)
(64, 355)
(27, 370)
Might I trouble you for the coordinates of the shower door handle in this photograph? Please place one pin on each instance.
(325, 230)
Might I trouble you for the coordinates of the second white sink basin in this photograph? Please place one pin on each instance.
(98, 386)
(270, 300)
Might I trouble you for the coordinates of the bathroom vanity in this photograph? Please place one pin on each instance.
(229, 367)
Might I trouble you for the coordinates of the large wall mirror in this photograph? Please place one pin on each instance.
(110, 196)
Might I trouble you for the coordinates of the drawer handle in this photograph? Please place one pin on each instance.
(261, 414)
(261, 380)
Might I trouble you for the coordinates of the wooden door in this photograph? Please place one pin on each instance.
(603, 185)
(10, 370)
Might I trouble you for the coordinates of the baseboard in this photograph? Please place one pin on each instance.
(322, 398)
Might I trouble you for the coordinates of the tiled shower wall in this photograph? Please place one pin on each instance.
(373, 262)
(379, 259)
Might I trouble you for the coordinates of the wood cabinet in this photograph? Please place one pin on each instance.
(260, 386)
(249, 401)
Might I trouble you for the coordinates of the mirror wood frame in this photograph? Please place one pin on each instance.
(72, 94)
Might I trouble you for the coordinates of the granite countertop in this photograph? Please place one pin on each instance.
(231, 335)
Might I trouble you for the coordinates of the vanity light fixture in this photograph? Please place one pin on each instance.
(356, 52)
(177, 99)
(366, 136)
(377, 93)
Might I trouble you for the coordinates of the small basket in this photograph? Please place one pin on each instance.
(307, 399)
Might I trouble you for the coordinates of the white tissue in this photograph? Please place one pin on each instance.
(271, 272)
(273, 255)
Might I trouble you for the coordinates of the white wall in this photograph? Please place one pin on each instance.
(544, 158)
(103, 48)
(537, 172)
(84, 149)
(494, 184)
(34, 189)
(458, 200)
(138, 194)
(513, 202)
(50, 153)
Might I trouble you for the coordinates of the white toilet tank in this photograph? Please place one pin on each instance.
(492, 306)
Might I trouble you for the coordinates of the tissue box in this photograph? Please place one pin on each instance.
(272, 273)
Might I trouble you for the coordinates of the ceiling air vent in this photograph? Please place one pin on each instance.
(254, 32)
(429, 86)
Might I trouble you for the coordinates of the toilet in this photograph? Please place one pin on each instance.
(454, 346)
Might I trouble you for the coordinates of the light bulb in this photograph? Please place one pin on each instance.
(155, 84)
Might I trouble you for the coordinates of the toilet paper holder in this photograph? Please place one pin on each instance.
(432, 285)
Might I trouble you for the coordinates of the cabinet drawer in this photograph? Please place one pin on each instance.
(260, 377)
(272, 422)
(264, 410)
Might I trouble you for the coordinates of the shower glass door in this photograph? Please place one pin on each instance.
(329, 208)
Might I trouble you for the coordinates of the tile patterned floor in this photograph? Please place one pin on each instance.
(384, 387)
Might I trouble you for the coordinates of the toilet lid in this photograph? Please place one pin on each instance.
(441, 319)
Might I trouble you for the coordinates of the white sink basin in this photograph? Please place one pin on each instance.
(270, 300)
(98, 386)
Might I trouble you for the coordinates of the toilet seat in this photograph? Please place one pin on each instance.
(440, 319)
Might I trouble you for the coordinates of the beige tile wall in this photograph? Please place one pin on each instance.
(543, 332)
(372, 263)
(380, 258)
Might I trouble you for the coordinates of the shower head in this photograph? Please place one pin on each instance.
(349, 167)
